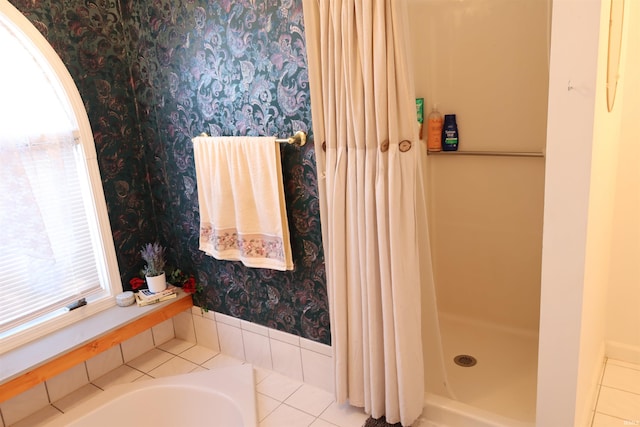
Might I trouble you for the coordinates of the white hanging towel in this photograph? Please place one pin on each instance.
(242, 208)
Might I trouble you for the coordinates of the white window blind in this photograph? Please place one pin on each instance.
(50, 248)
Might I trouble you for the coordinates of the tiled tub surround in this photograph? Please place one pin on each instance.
(42, 359)
(293, 375)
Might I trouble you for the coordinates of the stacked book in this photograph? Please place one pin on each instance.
(146, 297)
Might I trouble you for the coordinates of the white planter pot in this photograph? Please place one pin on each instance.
(157, 283)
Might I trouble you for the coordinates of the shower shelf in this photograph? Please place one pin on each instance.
(487, 153)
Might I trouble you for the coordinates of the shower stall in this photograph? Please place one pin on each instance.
(487, 61)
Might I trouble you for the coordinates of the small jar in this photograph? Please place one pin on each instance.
(125, 299)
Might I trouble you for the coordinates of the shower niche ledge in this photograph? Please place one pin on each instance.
(488, 153)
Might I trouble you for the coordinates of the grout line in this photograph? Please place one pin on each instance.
(136, 369)
(621, 389)
(121, 354)
(86, 371)
(46, 389)
(292, 393)
(173, 326)
(270, 350)
(593, 413)
(193, 326)
(622, 364)
(244, 350)
(612, 416)
(97, 386)
(301, 410)
(59, 410)
(215, 325)
(604, 369)
(301, 363)
(153, 338)
(313, 351)
(595, 407)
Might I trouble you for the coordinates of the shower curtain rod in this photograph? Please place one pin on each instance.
(299, 138)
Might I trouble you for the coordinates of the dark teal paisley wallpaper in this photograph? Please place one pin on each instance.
(155, 73)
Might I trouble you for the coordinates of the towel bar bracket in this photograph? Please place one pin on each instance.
(299, 138)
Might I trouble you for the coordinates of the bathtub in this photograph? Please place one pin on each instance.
(221, 397)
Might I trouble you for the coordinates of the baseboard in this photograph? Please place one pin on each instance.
(624, 352)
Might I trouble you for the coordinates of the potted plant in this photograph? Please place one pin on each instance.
(153, 254)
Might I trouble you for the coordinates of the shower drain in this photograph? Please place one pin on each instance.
(465, 360)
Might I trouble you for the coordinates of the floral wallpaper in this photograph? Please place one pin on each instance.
(89, 37)
(155, 73)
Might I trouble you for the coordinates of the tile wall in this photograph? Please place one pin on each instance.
(151, 354)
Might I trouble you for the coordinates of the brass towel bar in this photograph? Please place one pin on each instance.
(299, 138)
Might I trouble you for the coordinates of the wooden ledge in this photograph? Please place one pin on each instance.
(80, 354)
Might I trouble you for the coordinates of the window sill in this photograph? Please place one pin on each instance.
(33, 363)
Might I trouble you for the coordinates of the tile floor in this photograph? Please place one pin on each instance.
(285, 401)
(281, 401)
(618, 401)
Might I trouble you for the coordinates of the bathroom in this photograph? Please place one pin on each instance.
(577, 297)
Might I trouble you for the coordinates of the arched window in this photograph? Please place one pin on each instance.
(56, 246)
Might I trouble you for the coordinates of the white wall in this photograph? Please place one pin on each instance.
(567, 179)
(582, 161)
(623, 315)
(606, 142)
(486, 61)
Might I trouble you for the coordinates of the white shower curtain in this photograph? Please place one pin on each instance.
(364, 115)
